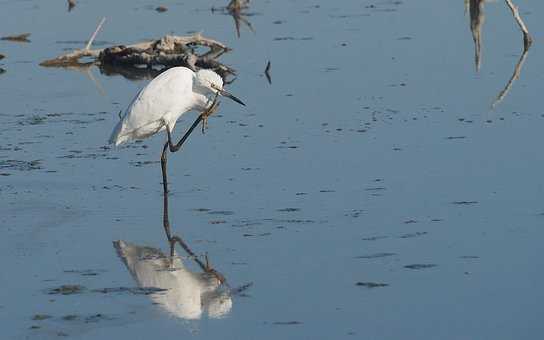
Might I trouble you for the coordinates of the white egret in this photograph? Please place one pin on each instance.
(159, 105)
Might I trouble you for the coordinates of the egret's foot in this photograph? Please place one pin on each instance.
(213, 108)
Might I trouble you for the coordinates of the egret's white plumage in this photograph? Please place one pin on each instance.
(187, 294)
(165, 99)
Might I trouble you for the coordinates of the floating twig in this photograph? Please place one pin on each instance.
(17, 38)
(267, 72)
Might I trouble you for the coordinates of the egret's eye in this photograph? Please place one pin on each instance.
(215, 87)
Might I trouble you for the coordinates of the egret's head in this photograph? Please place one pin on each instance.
(213, 83)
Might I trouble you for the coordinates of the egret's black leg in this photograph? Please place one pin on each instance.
(203, 116)
(165, 221)
(173, 239)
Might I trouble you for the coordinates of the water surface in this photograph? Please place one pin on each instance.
(369, 191)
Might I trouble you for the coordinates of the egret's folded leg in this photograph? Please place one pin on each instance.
(175, 147)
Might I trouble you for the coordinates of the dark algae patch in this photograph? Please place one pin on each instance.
(375, 256)
(40, 317)
(419, 266)
(371, 284)
(67, 290)
(464, 202)
(286, 323)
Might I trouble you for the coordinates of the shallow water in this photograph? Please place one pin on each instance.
(369, 191)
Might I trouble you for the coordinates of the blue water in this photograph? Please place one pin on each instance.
(374, 148)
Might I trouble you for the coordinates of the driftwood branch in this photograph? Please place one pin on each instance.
(169, 51)
(527, 40)
(90, 42)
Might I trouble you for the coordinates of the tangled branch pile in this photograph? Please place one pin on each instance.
(166, 52)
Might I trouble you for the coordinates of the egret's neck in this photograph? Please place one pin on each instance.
(203, 97)
(203, 102)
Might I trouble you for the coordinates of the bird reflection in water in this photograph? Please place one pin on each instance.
(187, 294)
(477, 17)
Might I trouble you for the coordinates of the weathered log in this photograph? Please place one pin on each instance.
(166, 52)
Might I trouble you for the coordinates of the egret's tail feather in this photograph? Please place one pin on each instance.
(116, 137)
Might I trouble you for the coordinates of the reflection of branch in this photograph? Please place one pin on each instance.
(71, 4)
(476, 22)
(95, 81)
(527, 40)
(515, 76)
(235, 9)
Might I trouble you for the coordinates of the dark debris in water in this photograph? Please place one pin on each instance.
(70, 317)
(97, 318)
(416, 234)
(143, 163)
(201, 209)
(40, 317)
(371, 284)
(254, 235)
(292, 38)
(67, 290)
(355, 213)
(85, 272)
(419, 266)
(23, 37)
(375, 256)
(221, 212)
(288, 210)
(375, 189)
(373, 238)
(286, 323)
(13, 164)
(464, 202)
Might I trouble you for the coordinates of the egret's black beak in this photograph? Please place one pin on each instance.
(228, 95)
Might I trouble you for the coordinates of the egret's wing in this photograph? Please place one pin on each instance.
(165, 98)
